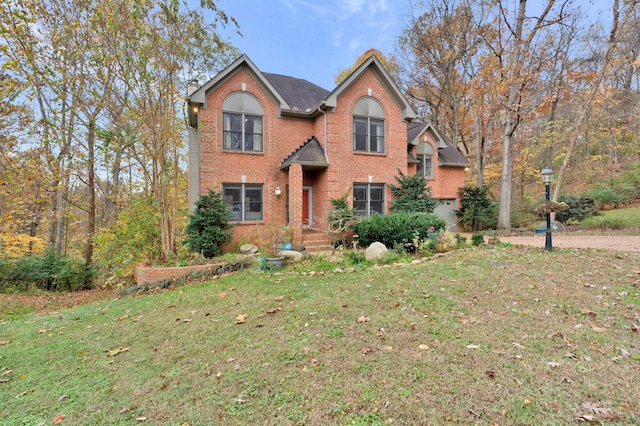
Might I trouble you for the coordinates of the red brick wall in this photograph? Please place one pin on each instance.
(282, 136)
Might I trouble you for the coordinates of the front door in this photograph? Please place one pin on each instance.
(307, 210)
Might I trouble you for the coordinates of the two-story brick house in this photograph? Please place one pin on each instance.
(279, 148)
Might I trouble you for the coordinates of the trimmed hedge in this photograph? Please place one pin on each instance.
(397, 228)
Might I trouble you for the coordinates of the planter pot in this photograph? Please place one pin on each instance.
(442, 248)
(275, 262)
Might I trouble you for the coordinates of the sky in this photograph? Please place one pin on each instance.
(313, 39)
(316, 39)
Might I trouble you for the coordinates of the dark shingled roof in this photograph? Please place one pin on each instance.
(450, 156)
(298, 93)
(310, 154)
(413, 130)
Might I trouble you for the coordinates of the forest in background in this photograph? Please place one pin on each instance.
(93, 130)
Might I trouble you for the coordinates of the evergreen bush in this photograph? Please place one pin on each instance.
(398, 228)
(579, 208)
(208, 225)
(477, 211)
(412, 195)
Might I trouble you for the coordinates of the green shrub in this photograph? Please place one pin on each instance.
(603, 222)
(477, 239)
(460, 240)
(412, 195)
(208, 225)
(134, 239)
(48, 272)
(398, 228)
(604, 195)
(477, 211)
(579, 208)
(523, 212)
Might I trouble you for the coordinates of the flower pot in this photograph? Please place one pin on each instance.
(275, 262)
(442, 248)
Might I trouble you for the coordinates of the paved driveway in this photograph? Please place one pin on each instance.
(569, 240)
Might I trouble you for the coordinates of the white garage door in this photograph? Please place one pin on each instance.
(446, 210)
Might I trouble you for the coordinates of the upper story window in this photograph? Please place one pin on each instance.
(242, 123)
(368, 126)
(425, 160)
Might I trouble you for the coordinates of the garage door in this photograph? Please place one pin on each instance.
(446, 210)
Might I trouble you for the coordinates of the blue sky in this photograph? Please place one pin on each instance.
(316, 39)
(313, 39)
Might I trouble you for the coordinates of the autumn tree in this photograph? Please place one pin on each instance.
(389, 64)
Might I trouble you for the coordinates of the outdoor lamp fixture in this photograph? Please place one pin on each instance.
(278, 191)
(547, 178)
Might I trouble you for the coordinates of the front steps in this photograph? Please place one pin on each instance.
(315, 242)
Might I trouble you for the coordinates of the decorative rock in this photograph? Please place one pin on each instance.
(291, 256)
(335, 259)
(375, 251)
(248, 249)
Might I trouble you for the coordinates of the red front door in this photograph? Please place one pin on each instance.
(305, 207)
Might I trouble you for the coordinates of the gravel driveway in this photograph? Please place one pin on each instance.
(568, 240)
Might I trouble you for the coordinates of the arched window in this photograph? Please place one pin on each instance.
(242, 128)
(425, 158)
(368, 126)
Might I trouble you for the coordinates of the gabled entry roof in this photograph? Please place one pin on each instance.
(310, 155)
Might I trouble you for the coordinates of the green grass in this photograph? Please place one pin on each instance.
(486, 335)
(615, 219)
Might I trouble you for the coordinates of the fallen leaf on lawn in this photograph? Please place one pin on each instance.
(279, 298)
(518, 345)
(555, 405)
(362, 318)
(553, 364)
(141, 418)
(5, 342)
(58, 419)
(241, 318)
(187, 320)
(423, 347)
(473, 346)
(600, 411)
(124, 317)
(116, 351)
(274, 310)
(4, 373)
(222, 295)
(599, 350)
(571, 355)
(587, 418)
(625, 353)
(491, 374)
(598, 329)
(628, 407)
(365, 351)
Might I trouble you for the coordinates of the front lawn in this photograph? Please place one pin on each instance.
(487, 335)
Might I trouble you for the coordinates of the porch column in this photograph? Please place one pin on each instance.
(295, 201)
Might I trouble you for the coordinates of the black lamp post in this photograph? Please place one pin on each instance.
(547, 178)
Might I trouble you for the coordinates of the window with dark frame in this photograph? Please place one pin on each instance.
(368, 198)
(425, 166)
(244, 201)
(242, 132)
(368, 126)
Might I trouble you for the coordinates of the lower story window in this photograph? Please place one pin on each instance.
(368, 198)
(244, 202)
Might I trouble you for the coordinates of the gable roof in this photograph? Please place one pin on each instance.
(448, 155)
(408, 114)
(299, 93)
(295, 96)
(310, 155)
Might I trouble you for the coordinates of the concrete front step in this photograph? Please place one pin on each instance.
(315, 242)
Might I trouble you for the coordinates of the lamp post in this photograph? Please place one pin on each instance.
(547, 178)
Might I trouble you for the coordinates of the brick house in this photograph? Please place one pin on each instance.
(279, 148)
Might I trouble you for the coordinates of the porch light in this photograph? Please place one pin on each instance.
(278, 191)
